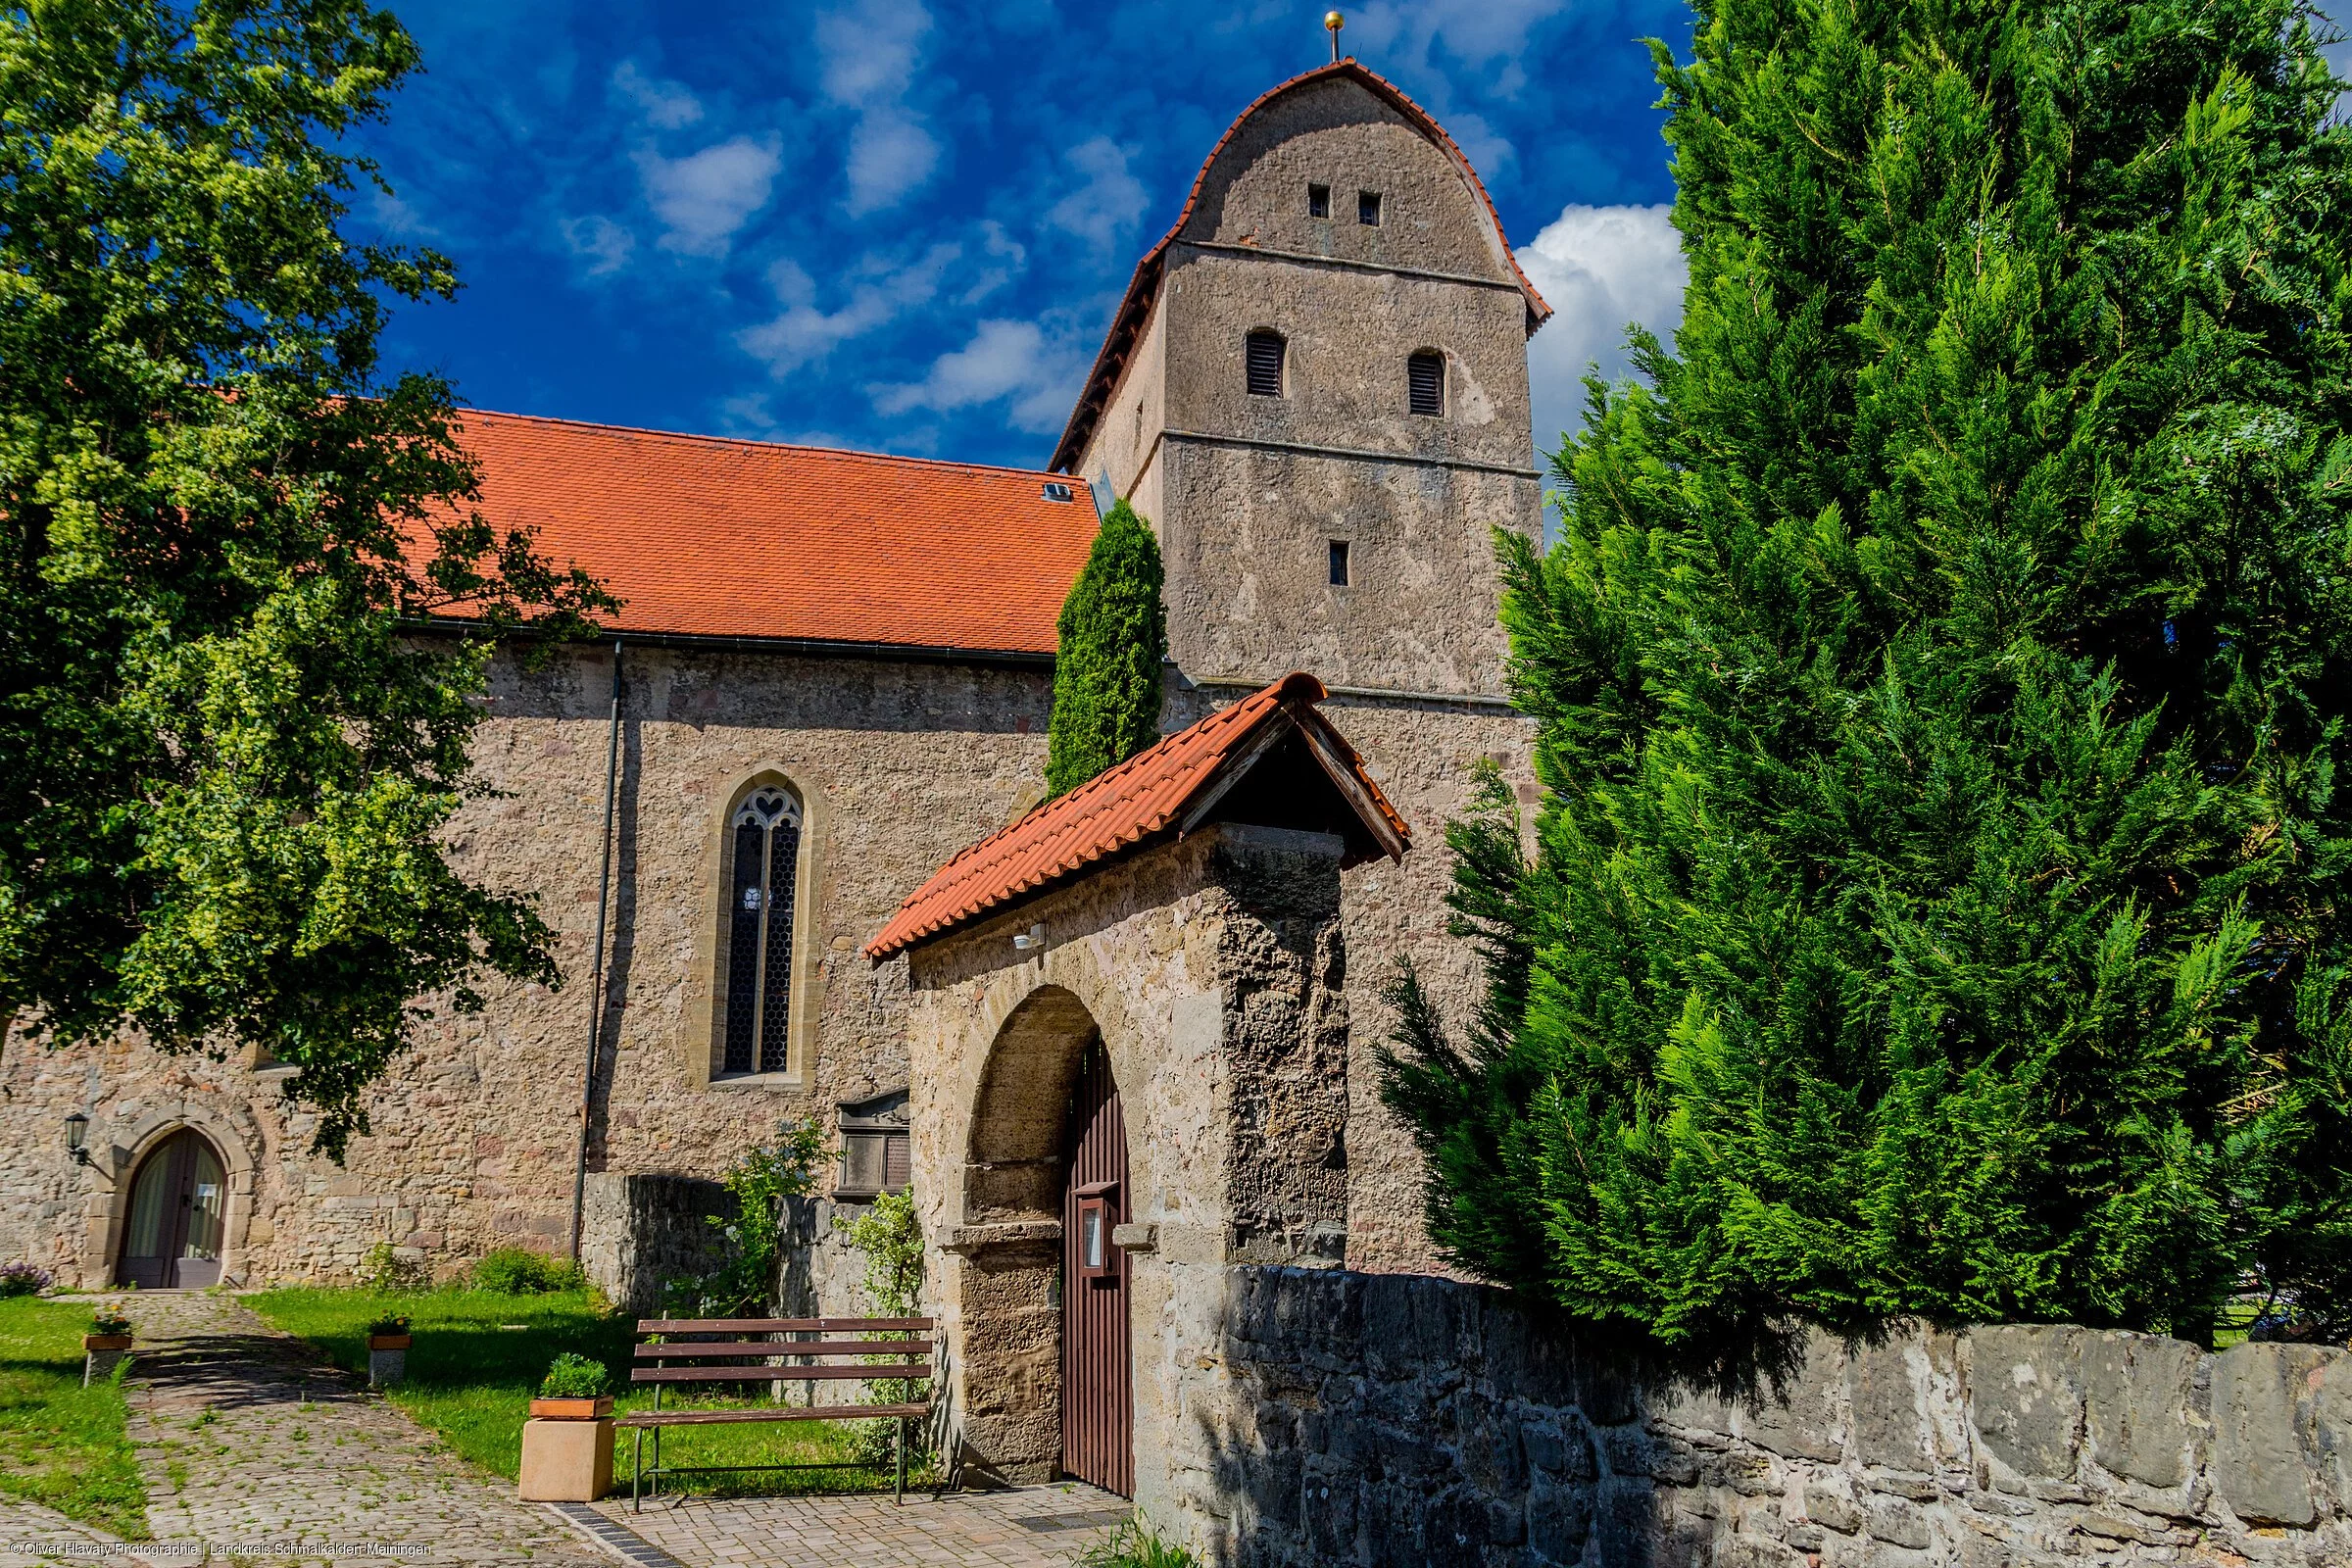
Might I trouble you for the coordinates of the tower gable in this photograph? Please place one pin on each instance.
(1340, 136)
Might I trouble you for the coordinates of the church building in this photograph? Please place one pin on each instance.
(832, 676)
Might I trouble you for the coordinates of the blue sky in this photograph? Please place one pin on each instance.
(901, 224)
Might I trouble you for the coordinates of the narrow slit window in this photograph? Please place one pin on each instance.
(1367, 208)
(760, 898)
(1265, 355)
(1425, 383)
(1319, 201)
(1339, 563)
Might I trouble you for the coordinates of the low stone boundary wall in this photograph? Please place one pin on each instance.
(1380, 1420)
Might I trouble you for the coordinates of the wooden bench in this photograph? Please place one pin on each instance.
(691, 1352)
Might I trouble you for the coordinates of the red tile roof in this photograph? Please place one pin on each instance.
(1141, 799)
(712, 537)
(1143, 287)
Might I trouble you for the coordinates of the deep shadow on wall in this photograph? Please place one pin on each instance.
(1398, 1419)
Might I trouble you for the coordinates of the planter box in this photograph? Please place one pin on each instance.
(595, 1410)
(567, 1461)
(101, 1354)
(387, 1366)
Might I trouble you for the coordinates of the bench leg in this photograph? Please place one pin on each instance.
(901, 1494)
(637, 1474)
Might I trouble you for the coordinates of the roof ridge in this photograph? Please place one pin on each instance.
(1132, 801)
(757, 445)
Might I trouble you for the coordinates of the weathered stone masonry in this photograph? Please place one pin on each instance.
(1388, 1419)
(472, 1144)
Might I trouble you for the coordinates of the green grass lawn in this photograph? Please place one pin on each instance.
(479, 1356)
(62, 1443)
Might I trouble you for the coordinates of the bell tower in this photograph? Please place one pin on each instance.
(1316, 391)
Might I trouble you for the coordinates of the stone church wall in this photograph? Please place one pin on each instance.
(1368, 1420)
(901, 763)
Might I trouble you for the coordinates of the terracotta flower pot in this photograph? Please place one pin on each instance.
(105, 1342)
(595, 1410)
(388, 1342)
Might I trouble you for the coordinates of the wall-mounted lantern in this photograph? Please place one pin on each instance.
(77, 1132)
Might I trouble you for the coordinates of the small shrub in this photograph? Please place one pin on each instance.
(22, 1279)
(388, 1323)
(572, 1376)
(891, 1239)
(520, 1271)
(385, 1271)
(109, 1319)
(1136, 1544)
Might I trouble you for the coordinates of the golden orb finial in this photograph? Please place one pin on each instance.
(1333, 22)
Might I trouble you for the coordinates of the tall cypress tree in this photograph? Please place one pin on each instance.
(1939, 896)
(1113, 639)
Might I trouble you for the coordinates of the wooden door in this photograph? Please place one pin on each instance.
(171, 1237)
(1098, 1382)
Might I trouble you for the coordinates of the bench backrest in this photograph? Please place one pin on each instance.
(744, 1350)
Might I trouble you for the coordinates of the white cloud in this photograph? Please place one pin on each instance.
(705, 197)
(1106, 206)
(1487, 148)
(891, 155)
(1599, 267)
(668, 105)
(1488, 35)
(1007, 257)
(802, 333)
(870, 50)
(1012, 359)
(396, 216)
(603, 244)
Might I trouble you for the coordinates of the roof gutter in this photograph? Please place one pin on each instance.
(796, 646)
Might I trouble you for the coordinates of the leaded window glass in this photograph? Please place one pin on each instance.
(766, 831)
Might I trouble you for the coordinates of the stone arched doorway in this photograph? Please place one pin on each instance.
(174, 1226)
(1046, 1313)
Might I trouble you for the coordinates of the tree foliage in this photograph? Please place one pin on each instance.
(1938, 905)
(1113, 638)
(229, 762)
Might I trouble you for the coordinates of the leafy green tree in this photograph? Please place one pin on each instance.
(1938, 900)
(1114, 636)
(229, 758)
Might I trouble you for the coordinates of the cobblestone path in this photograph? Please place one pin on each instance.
(246, 1438)
(1026, 1527)
(255, 1452)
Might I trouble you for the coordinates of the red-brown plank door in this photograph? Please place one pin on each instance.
(1097, 1380)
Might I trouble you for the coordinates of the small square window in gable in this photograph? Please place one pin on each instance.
(1367, 208)
(1319, 201)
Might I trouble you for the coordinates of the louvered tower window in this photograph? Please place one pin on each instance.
(1266, 351)
(1425, 383)
(759, 905)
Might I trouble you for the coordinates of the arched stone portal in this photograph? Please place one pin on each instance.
(1011, 1235)
(1190, 932)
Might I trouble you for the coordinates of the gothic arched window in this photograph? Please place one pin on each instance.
(760, 898)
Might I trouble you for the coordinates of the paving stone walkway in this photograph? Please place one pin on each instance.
(1024, 1527)
(254, 1450)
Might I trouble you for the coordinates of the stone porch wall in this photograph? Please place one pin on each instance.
(1393, 1419)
